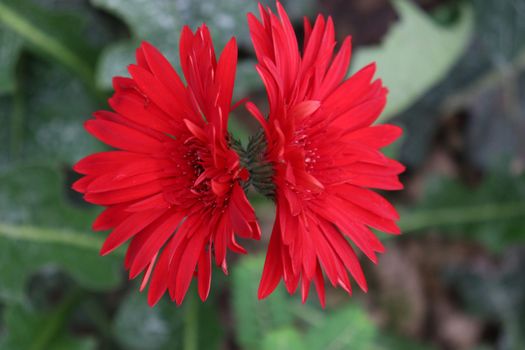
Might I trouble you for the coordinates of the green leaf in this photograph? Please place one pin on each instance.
(11, 46)
(54, 34)
(488, 61)
(496, 20)
(160, 22)
(350, 327)
(34, 195)
(44, 119)
(56, 107)
(138, 326)
(415, 55)
(491, 213)
(40, 226)
(26, 249)
(255, 318)
(10, 127)
(28, 329)
(283, 339)
(43, 135)
(344, 329)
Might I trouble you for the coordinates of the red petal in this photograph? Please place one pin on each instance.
(225, 77)
(348, 93)
(98, 163)
(167, 100)
(158, 234)
(123, 137)
(376, 136)
(204, 269)
(124, 195)
(272, 271)
(145, 279)
(82, 184)
(129, 227)
(346, 254)
(110, 182)
(337, 71)
(163, 70)
(188, 263)
(159, 280)
(319, 286)
(368, 200)
(110, 217)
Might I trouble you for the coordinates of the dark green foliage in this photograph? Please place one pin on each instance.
(156, 23)
(138, 326)
(494, 55)
(30, 329)
(11, 48)
(491, 212)
(37, 229)
(57, 58)
(255, 318)
(496, 293)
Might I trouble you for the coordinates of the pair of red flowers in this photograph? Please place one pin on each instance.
(174, 186)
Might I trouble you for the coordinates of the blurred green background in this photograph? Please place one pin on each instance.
(454, 280)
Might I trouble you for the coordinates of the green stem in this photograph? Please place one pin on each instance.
(56, 322)
(48, 44)
(409, 222)
(17, 122)
(53, 236)
(462, 215)
(191, 321)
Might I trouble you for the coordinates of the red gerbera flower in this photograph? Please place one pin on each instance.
(173, 186)
(325, 156)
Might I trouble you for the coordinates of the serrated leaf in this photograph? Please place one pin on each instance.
(415, 55)
(34, 195)
(255, 318)
(139, 327)
(160, 23)
(28, 329)
(344, 329)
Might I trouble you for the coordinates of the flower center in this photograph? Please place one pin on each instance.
(261, 170)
